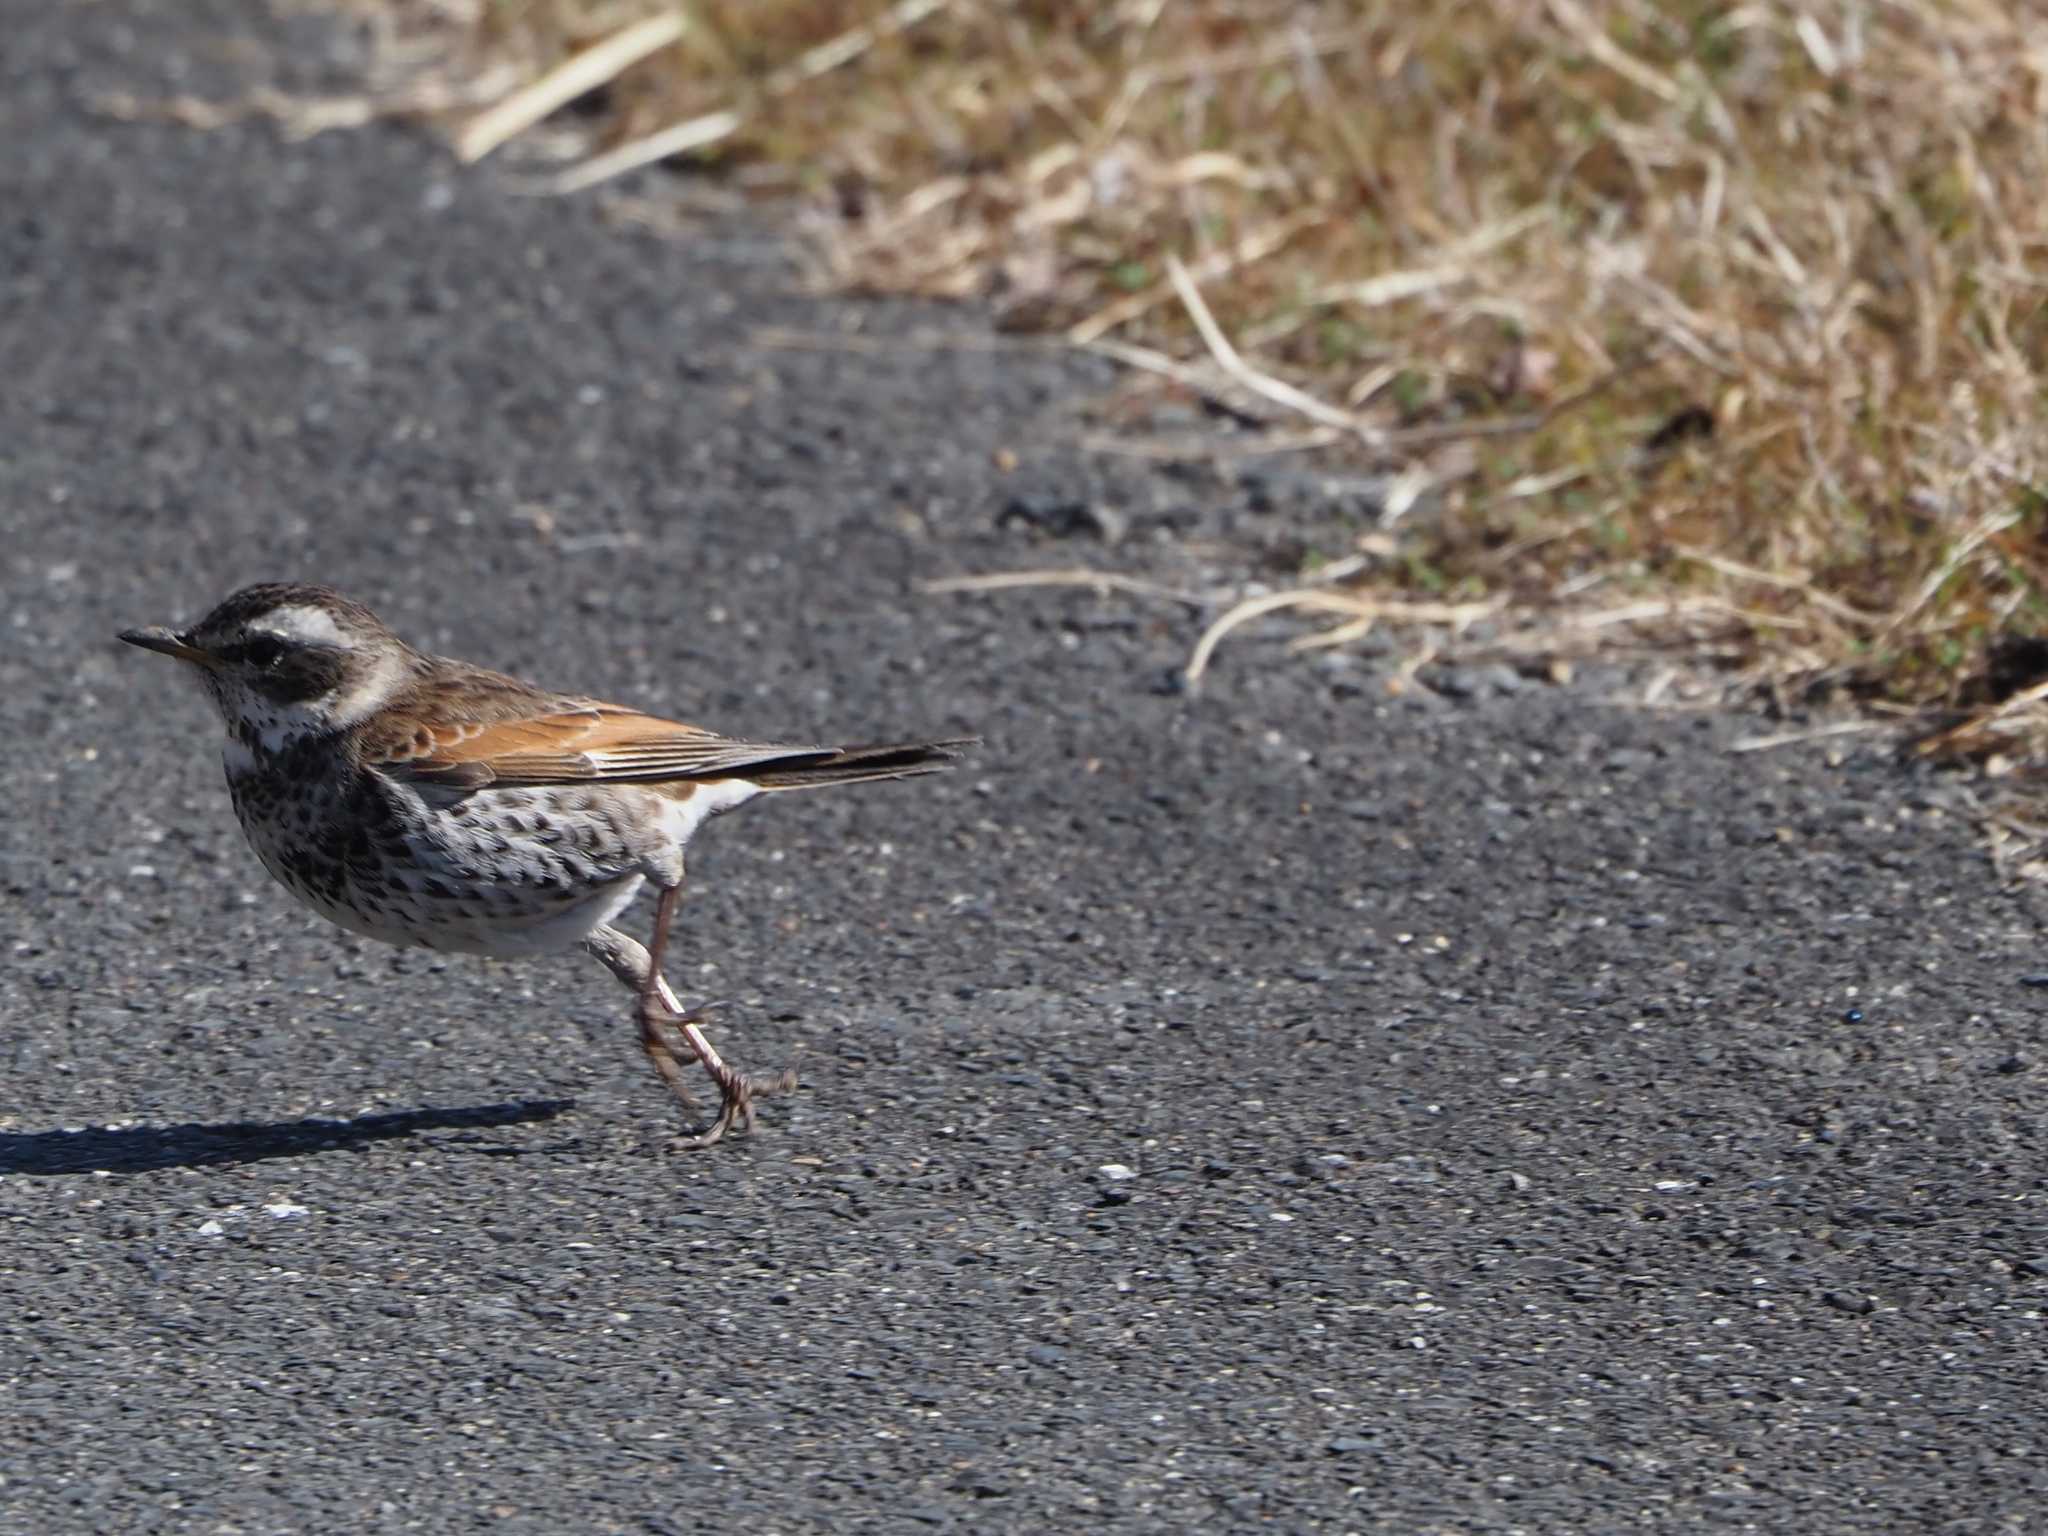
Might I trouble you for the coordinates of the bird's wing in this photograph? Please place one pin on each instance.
(564, 741)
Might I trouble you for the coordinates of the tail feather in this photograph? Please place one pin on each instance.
(861, 765)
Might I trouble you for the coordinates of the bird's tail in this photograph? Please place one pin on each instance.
(861, 765)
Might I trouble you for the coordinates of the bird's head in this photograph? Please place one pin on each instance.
(284, 661)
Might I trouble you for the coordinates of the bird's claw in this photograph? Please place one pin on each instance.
(737, 1092)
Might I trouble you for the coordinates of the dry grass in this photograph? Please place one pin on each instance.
(1734, 307)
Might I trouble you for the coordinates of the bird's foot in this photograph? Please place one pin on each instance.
(737, 1092)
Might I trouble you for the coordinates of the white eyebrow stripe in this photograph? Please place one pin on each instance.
(305, 626)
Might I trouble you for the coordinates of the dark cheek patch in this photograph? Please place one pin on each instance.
(300, 678)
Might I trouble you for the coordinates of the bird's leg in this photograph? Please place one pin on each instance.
(625, 959)
(736, 1090)
(663, 1055)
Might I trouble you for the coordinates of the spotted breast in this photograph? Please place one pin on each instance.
(495, 872)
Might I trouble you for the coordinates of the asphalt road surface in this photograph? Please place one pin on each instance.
(1292, 1107)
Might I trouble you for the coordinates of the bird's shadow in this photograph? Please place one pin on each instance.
(143, 1148)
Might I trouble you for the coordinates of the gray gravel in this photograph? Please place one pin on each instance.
(1292, 1106)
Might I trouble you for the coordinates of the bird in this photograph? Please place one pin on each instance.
(429, 802)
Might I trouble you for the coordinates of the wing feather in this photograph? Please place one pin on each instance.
(574, 741)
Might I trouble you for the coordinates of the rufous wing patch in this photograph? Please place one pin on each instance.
(586, 743)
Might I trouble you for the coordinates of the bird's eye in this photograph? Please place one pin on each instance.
(263, 653)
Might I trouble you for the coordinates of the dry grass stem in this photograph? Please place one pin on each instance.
(1277, 390)
(575, 76)
(677, 139)
(1253, 246)
(852, 43)
(2011, 717)
(1360, 610)
(1097, 581)
(297, 117)
(1207, 447)
(916, 343)
(1802, 738)
(1790, 581)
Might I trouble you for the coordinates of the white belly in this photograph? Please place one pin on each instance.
(503, 934)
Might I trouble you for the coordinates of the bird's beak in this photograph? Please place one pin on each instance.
(169, 643)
